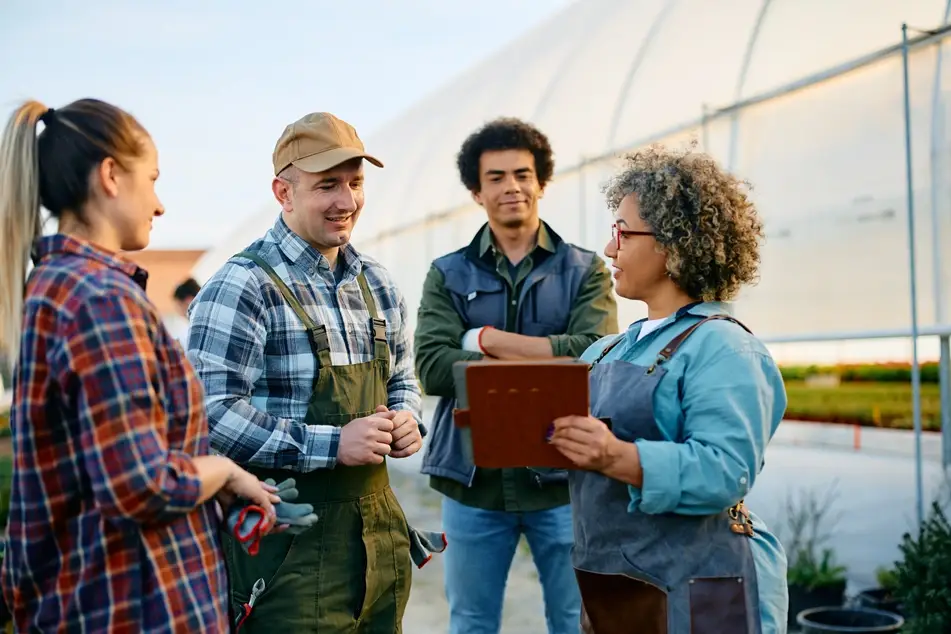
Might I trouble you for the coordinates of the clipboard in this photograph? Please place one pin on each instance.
(505, 409)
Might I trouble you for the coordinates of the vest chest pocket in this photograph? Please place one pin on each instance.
(546, 310)
(481, 300)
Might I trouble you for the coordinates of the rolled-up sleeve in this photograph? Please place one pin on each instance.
(730, 407)
(113, 367)
(226, 339)
(438, 340)
(593, 313)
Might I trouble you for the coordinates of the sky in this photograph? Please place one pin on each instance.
(215, 82)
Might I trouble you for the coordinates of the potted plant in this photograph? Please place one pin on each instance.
(814, 582)
(851, 620)
(923, 575)
(815, 579)
(881, 597)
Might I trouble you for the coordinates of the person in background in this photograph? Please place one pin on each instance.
(182, 297)
(302, 344)
(516, 291)
(184, 294)
(112, 520)
(683, 405)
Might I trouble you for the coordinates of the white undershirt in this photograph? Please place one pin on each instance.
(649, 326)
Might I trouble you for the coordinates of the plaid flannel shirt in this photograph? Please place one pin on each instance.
(105, 533)
(254, 357)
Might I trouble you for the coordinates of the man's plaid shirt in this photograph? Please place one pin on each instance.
(255, 360)
(105, 532)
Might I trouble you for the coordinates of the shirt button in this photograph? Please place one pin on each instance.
(513, 302)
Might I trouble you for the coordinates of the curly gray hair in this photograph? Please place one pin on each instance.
(702, 218)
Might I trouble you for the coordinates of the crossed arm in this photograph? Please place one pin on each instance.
(440, 330)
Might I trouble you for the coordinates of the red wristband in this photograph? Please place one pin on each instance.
(479, 339)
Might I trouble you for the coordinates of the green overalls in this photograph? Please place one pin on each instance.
(350, 572)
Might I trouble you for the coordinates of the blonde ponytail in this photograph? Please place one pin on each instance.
(20, 222)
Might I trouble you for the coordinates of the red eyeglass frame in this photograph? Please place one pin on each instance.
(617, 233)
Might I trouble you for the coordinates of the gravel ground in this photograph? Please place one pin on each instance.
(428, 612)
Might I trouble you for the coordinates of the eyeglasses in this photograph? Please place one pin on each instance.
(617, 233)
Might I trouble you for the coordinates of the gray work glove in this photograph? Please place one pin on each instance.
(298, 517)
(422, 544)
(247, 521)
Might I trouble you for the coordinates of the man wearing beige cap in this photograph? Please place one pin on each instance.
(302, 345)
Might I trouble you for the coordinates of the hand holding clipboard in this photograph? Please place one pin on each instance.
(506, 408)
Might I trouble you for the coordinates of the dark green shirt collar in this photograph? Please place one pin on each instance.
(542, 241)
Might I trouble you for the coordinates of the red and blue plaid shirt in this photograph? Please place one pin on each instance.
(105, 532)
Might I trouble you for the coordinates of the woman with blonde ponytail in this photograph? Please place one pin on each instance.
(112, 524)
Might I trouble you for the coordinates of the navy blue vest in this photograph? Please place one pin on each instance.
(482, 298)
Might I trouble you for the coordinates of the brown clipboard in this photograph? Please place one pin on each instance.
(505, 409)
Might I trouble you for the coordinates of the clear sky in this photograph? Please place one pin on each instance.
(216, 81)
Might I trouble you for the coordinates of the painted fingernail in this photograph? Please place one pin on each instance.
(550, 432)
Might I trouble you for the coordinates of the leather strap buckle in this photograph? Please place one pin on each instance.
(740, 522)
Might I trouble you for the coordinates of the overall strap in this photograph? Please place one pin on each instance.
(381, 349)
(317, 333)
(367, 295)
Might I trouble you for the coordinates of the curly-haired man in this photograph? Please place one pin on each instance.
(516, 291)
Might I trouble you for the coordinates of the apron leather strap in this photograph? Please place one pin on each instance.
(668, 351)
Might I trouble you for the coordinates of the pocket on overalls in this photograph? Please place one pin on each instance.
(387, 569)
(275, 551)
(613, 603)
(718, 604)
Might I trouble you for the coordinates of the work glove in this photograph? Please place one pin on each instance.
(422, 545)
(248, 522)
(298, 517)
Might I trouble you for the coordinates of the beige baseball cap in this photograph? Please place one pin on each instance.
(318, 142)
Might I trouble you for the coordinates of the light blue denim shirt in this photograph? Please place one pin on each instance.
(718, 406)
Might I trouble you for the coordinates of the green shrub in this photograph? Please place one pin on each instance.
(871, 404)
(863, 373)
(923, 576)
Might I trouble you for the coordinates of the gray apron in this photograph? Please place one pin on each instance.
(663, 574)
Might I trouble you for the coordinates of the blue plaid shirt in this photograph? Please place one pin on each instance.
(253, 354)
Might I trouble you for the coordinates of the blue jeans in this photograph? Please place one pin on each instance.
(477, 561)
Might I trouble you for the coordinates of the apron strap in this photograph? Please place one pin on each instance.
(668, 351)
(618, 339)
(317, 333)
(381, 349)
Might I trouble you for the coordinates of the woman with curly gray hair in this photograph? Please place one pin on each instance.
(683, 405)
